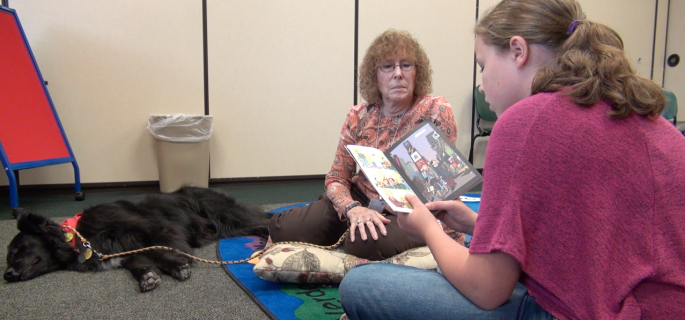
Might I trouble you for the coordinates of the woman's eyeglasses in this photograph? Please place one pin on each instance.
(388, 67)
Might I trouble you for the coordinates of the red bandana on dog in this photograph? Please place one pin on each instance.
(68, 233)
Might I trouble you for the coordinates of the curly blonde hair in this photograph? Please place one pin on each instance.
(590, 57)
(394, 43)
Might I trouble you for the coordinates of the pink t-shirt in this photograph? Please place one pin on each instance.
(592, 208)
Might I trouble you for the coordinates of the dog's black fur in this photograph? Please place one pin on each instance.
(188, 218)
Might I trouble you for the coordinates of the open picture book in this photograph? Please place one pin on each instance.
(423, 162)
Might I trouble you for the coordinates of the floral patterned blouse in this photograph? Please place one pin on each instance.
(366, 126)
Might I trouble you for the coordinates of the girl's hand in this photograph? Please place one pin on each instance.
(455, 214)
(419, 222)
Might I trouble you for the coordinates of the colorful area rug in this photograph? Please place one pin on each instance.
(278, 300)
(283, 300)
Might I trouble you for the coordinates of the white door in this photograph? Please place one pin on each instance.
(674, 70)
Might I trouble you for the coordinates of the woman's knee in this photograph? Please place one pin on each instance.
(316, 223)
(395, 242)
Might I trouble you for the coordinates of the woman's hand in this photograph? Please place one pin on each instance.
(362, 218)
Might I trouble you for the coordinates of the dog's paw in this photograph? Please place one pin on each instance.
(149, 281)
(182, 272)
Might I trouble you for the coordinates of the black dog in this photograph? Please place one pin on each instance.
(188, 218)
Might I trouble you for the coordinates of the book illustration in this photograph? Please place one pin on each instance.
(383, 175)
(424, 163)
(371, 158)
(432, 165)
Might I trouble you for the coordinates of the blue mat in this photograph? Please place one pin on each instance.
(278, 300)
(283, 300)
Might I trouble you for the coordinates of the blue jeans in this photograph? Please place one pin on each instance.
(389, 291)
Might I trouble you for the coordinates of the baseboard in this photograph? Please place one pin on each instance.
(266, 180)
(153, 186)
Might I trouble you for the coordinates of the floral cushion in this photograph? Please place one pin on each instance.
(297, 263)
(301, 263)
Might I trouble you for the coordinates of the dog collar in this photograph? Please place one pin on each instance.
(69, 235)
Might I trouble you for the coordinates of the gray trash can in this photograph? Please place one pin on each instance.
(182, 149)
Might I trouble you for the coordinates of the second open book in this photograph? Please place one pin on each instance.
(423, 162)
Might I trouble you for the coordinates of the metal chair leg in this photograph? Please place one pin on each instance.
(14, 194)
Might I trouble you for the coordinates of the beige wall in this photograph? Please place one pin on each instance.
(280, 74)
(281, 79)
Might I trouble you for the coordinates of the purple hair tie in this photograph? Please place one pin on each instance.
(572, 27)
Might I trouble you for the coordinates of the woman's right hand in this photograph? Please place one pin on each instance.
(362, 218)
(455, 214)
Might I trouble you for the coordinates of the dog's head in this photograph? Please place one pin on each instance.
(39, 248)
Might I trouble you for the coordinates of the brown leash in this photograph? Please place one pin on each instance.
(258, 254)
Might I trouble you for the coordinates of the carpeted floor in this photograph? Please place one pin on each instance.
(208, 294)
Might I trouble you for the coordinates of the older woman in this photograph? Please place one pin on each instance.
(395, 80)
